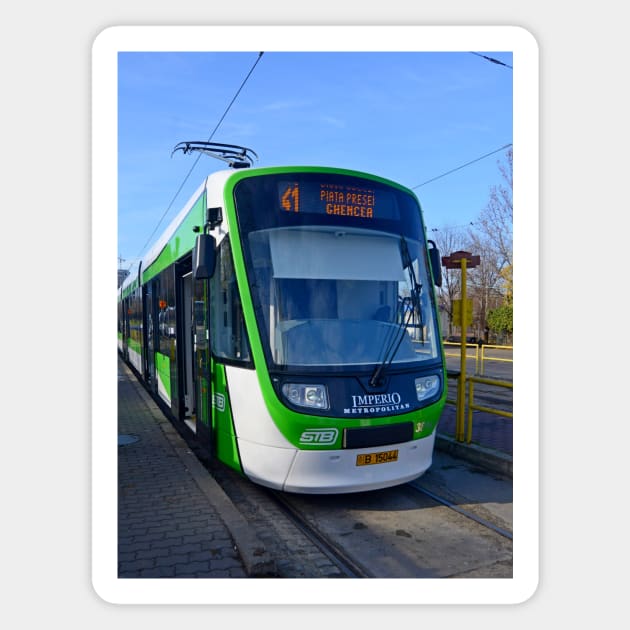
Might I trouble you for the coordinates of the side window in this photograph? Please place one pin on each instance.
(227, 327)
(135, 317)
(166, 312)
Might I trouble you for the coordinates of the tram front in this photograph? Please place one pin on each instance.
(340, 309)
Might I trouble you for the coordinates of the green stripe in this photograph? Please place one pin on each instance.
(181, 242)
(226, 448)
(163, 368)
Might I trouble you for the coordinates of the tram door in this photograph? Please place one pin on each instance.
(149, 310)
(187, 359)
(201, 350)
(195, 361)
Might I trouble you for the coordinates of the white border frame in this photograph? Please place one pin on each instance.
(526, 314)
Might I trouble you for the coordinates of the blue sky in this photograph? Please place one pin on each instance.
(407, 116)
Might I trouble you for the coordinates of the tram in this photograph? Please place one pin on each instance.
(287, 320)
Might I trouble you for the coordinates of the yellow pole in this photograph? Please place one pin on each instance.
(471, 397)
(461, 385)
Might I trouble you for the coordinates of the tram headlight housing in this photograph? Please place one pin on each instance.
(306, 395)
(427, 386)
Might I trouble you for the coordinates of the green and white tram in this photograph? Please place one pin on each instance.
(287, 317)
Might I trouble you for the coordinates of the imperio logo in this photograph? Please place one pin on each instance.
(376, 403)
(319, 436)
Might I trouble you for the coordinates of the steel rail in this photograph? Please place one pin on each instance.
(481, 521)
(349, 567)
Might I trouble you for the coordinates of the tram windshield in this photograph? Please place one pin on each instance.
(336, 290)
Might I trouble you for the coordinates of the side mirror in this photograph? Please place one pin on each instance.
(436, 264)
(204, 257)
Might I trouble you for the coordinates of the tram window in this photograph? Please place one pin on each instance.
(135, 317)
(228, 333)
(166, 311)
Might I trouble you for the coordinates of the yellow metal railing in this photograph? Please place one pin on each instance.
(474, 356)
(479, 354)
(464, 433)
(483, 358)
(471, 401)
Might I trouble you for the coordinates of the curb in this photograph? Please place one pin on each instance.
(489, 459)
(256, 559)
(255, 556)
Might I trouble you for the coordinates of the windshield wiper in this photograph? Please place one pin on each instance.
(416, 289)
(392, 343)
(410, 304)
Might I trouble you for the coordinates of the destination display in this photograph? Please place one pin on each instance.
(337, 200)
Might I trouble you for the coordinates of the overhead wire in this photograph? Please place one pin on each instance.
(457, 169)
(491, 59)
(428, 181)
(462, 166)
(227, 109)
(496, 61)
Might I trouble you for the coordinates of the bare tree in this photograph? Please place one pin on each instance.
(489, 284)
(484, 283)
(495, 220)
(449, 240)
(495, 227)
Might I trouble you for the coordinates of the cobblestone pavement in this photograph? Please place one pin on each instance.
(176, 521)
(167, 527)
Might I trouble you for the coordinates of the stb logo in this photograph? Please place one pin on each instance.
(319, 436)
(218, 401)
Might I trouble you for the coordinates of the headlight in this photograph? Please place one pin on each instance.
(427, 386)
(315, 396)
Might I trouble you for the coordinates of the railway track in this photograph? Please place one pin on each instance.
(405, 531)
(485, 522)
(346, 565)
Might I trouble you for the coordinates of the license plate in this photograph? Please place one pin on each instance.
(384, 457)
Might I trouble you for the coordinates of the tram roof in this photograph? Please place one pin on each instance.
(213, 185)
